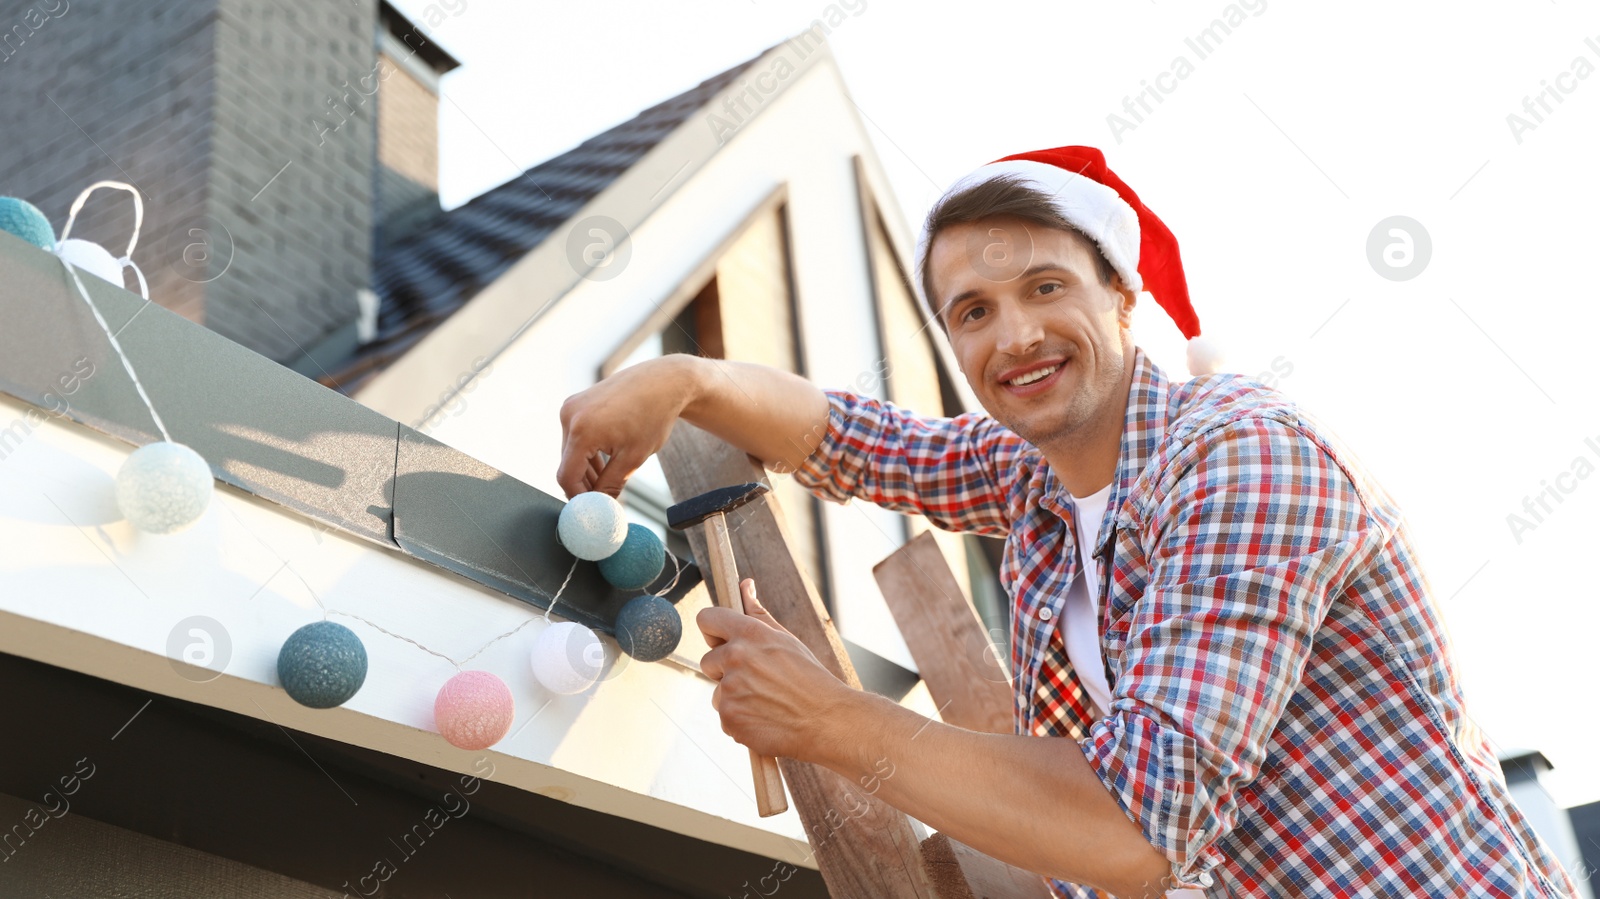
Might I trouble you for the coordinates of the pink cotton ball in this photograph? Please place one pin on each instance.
(474, 710)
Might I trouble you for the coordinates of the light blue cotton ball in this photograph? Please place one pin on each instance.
(592, 526)
(638, 562)
(24, 219)
(322, 665)
(163, 487)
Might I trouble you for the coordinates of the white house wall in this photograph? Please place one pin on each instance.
(805, 137)
(82, 589)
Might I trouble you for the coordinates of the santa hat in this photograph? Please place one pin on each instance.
(1138, 245)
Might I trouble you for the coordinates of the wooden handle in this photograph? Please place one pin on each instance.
(770, 798)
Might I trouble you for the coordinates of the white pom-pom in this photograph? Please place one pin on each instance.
(567, 657)
(592, 526)
(163, 487)
(92, 258)
(1204, 356)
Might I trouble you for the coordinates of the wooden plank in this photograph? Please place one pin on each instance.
(962, 872)
(864, 847)
(953, 652)
(969, 685)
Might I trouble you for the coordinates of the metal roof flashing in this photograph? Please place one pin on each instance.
(272, 432)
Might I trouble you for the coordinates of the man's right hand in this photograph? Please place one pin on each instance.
(774, 415)
(627, 417)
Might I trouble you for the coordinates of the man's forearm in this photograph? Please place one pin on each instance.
(1033, 802)
(774, 415)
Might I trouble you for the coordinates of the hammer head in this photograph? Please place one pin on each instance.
(696, 509)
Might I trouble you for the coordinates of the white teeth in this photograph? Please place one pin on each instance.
(1033, 376)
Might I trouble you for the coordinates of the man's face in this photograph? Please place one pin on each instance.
(1042, 341)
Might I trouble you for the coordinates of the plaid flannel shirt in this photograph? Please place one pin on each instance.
(1286, 715)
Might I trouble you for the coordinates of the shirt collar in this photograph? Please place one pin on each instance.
(1144, 421)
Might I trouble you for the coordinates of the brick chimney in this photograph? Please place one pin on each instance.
(250, 128)
(408, 124)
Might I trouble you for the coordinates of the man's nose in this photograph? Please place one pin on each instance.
(1019, 333)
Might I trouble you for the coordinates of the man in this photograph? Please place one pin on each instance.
(1231, 678)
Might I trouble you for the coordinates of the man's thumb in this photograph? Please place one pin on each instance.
(752, 605)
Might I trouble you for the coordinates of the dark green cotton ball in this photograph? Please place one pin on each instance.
(638, 562)
(648, 628)
(322, 665)
(24, 219)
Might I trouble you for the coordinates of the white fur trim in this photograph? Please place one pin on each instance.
(1204, 356)
(1093, 207)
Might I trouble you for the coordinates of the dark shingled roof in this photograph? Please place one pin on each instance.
(424, 278)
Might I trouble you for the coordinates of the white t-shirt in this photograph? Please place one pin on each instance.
(1080, 618)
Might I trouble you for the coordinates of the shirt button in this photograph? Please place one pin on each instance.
(1045, 613)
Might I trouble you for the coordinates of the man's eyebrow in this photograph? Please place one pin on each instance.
(1039, 269)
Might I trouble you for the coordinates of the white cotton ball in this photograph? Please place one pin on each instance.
(592, 526)
(163, 487)
(567, 657)
(92, 258)
(1204, 356)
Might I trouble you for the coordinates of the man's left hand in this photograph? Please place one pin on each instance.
(772, 694)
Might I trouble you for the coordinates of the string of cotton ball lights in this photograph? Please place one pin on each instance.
(566, 656)
(323, 664)
(648, 627)
(163, 487)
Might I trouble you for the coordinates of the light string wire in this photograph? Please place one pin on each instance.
(677, 572)
(459, 666)
(138, 222)
(126, 260)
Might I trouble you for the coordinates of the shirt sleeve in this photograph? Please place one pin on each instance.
(953, 471)
(1252, 533)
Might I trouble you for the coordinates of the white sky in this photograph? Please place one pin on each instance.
(1464, 390)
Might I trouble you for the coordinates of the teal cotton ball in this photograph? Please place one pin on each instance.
(24, 219)
(638, 562)
(649, 628)
(592, 526)
(322, 665)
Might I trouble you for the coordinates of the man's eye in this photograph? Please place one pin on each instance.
(1049, 288)
(968, 315)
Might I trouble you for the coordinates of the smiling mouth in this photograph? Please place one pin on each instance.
(1038, 374)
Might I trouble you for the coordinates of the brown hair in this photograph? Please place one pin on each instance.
(1001, 195)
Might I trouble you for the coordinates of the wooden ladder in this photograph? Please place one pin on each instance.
(876, 853)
